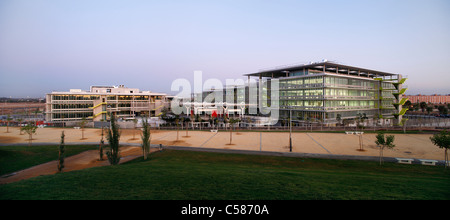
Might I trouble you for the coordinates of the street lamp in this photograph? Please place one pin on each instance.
(290, 130)
(290, 120)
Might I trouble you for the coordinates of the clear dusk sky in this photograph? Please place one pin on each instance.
(57, 45)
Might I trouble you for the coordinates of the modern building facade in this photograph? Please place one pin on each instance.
(99, 101)
(326, 91)
(323, 92)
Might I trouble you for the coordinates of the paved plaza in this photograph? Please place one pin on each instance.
(416, 146)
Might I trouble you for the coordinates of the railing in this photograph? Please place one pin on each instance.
(331, 85)
(103, 103)
(301, 97)
(349, 97)
(367, 107)
(103, 112)
(300, 86)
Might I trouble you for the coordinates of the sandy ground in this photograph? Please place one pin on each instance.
(416, 146)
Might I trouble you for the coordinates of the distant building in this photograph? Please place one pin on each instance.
(99, 101)
(325, 91)
(435, 99)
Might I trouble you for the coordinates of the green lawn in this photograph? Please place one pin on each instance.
(15, 158)
(185, 175)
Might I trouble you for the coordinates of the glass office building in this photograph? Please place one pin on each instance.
(325, 91)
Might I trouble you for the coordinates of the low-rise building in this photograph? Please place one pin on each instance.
(434, 99)
(97, 103)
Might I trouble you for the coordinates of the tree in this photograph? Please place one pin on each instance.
(145, 136)
(384, 142)
(113, 137)
(232, 121)
(423, 106)
(20, 125)
(249, 122)
(376, 118)
(35, 113)
(339, 119)
(8, 119)
(177, 122)
(416, 107)
(187, 120)
(199, 119)
(403, 123)
(61, 153)
(29, 129)
(429, 109)
(164, 112)
(100, 149)
(442, 140)
(408, 104)
(361, 146)
(82, 125)
(347, 122)
(102, 142)
(441, 109)
(360, 120)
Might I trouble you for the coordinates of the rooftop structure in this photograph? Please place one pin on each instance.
(323, 66)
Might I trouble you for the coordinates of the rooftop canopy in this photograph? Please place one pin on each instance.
(324, 66)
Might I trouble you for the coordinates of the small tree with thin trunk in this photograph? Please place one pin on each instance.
(177, 122)
(8, 119)
(113, 137)
(145, 136)
(338, 119)
(29, 129)
(20, 125)
(442, 140)
(375, 120)
(423, 106)
(100, 149)
(102, 142)
(187, 120)
(384, 142)
(82, 125)
(61, 153)
(429, 109)
(232, 121)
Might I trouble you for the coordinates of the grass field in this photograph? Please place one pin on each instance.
(15, 158)
(186, 175)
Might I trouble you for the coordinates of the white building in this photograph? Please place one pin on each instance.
(99, 101)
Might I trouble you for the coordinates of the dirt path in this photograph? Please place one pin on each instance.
(80, 161)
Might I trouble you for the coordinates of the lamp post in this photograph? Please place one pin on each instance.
(290, 130)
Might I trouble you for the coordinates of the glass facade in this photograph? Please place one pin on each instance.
(328, 95)
(324, 91)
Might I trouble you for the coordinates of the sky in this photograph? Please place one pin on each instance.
(54, 45)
